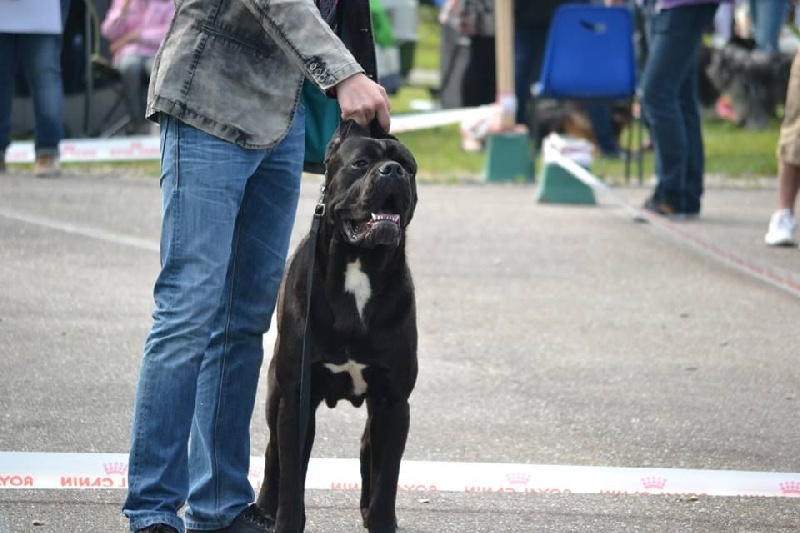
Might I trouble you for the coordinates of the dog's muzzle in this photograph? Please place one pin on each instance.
(383, 199)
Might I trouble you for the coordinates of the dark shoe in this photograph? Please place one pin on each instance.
(665, 209)
(659, 207)
(251, 520)
(158, 528)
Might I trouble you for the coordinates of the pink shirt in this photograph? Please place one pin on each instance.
(151, 18)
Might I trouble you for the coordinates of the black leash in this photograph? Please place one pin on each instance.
(305, 361)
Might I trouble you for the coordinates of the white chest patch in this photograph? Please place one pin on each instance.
(355, 370)
(356, 282)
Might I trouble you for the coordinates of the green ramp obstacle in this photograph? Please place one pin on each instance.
(508, 158)
(557, 184)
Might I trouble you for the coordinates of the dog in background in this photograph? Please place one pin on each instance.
(754, 80)
(363, 326)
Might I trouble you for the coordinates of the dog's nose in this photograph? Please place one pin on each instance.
(392, 170)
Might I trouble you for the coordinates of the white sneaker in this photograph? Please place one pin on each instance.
(781, 229)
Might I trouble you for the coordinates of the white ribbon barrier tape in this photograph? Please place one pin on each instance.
(774, 276)
(25, 470)
(147, 148)
(140, 148)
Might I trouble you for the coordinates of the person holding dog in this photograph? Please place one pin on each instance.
(782, 224)
(225, 89)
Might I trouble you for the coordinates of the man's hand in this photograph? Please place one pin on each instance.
(362, 100)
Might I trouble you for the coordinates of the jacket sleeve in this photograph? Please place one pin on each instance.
(115, 24)
(306, 39)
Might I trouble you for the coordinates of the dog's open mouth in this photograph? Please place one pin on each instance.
(379, 229)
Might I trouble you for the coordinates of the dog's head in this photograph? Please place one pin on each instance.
(370, 186)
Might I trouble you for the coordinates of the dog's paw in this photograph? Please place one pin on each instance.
(378, 526)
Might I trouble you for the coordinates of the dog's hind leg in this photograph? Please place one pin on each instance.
(382, 450)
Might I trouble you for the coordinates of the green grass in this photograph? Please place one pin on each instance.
(731, 152)
(426, 52)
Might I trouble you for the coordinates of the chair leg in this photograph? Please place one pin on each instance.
(640, 155)
(534, 126)
(629, 146)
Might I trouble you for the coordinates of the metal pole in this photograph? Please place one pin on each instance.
(89, 76)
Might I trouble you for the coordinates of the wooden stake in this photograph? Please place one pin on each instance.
(504, 56)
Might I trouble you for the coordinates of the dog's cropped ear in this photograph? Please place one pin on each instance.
(377, 132)
(341, 133)
(345, 130)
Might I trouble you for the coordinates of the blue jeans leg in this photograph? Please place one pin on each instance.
(603, 127)
(529, 47)
(227, 217)
(9, 60)
(40, 56)
(768, 17)
(669, 85)
(219, 462)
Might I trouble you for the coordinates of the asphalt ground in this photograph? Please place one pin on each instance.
(549, 334)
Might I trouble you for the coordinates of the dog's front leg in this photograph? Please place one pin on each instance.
(292, 473)
(382, 450)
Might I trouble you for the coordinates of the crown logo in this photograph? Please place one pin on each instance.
(654, 482)
(518, 478)
(790, 487)
(115, 468)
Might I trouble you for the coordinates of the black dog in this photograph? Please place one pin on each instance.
(363, 320)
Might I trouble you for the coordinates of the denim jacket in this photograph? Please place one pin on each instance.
(234, 68)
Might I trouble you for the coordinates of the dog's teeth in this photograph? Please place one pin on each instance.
(374, 216)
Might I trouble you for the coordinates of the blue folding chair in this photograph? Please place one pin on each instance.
(590, 55)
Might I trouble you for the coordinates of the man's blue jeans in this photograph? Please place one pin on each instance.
(669, 85)
(227, 219)
(40, 57)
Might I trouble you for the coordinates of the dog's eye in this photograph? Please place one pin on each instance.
(359, 163)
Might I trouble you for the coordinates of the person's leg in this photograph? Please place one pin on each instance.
(695, 152)
(529, 47)
(132, 69)
(675, 35)
(8, 69)
(477, 86)
(782, 223)
(40, 56)
(789, 143)
(202, 185)
(723, 25)
(219, 456)
(788, 186)
(603, 128)
(768, 17)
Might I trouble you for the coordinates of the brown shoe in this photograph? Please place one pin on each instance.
(46, 166)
